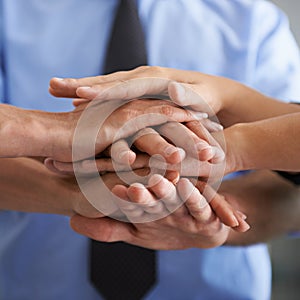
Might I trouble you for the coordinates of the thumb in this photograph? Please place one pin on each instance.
(194, 96)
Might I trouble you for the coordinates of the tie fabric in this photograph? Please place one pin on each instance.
(126, 49)
(120, 271)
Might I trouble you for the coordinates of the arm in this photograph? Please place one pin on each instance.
(268, 144)
(48, 193)
(270, 202)
(231, 101)
(38, 133)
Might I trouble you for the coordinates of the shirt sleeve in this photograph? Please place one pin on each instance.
(277, 62)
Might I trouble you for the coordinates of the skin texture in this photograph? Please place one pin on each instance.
(258, 185)
(271, 204)
(37, 133)
(199, 91)
(191, 225)
(233, 103)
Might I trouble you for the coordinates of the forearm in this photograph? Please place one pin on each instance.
(241, 104)
(33, 133)
(271, 204)
(26, 185)
(233, 102)
(267, 144)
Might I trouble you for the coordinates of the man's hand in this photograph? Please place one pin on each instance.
(190, 150)
(193, 224)
(37, 133)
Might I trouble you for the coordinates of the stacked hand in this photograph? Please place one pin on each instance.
(184, 147)
(145, 142)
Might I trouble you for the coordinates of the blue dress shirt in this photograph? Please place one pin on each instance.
(247, 40)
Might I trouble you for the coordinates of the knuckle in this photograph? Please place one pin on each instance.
(156, 69)
(105, 235)
(167, 110)
(71, 82)
(142, 69)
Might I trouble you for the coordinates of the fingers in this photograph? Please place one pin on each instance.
(184, 138)
(138, 204)
(105, 165)
(66, 87)
(196, 204)
(121, 153)
(102, 229)
(156, 202)
(243, 225)
(139, 194)
(134, 116)
(125, 90)
(165, 191)
(184, 94)
(50, 165)
(189, 167)
(132, 211)
(149, 141)
(225, 212)
(173, 112)
(199, 129)
(211, 126)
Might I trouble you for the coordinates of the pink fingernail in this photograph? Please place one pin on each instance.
(138, 186)
(242, 215)
(84, 88)
(181, 153)
(170, 150)
(155, 179)
(235, 221)
(200, 115)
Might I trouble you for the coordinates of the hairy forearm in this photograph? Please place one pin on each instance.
(27, 186)
(33, 133)
(271, 204)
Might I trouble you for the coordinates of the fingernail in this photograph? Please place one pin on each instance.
(200, 115)
(170, 150)
(217, 127)
(247, 227)
(58, 78)
(203, 146)
(180, 90)
(84, 88)
(242, 215)
(138, 186)
(235, 221)
(155, 179)
(122, 154)
(181, 153)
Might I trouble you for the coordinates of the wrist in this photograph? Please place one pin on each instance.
(22, 133)
(52, 136)
(241, 151)
(231, 141)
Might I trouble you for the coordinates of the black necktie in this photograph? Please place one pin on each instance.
(121, 271)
